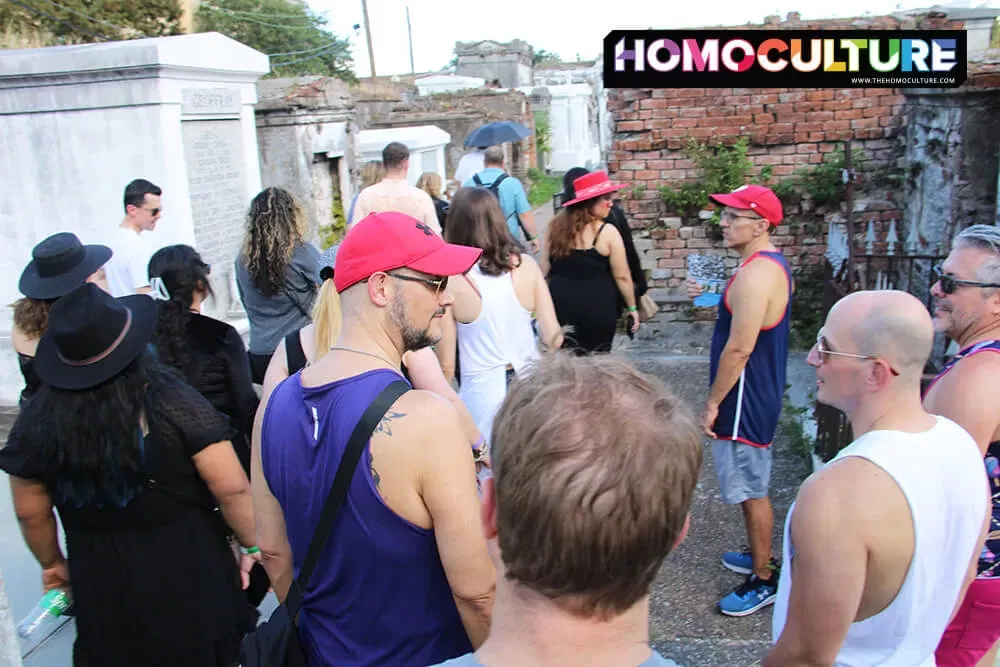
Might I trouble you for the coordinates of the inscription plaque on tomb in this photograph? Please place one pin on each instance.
(210, 101)
(213, 152)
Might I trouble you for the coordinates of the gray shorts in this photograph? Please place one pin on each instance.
(744, 471)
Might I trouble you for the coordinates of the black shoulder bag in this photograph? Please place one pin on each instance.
(275, 643)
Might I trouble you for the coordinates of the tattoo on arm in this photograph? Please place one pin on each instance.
(384, 425)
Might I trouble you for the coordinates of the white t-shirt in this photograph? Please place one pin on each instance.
(470, 165)
(396, 195)
(128, 268)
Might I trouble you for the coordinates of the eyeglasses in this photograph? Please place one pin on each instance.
(950, 283)
(437, 285)
(823, 348)
(152, 211)
(729, 216)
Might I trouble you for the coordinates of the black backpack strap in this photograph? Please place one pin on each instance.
(338, 493)
(476, 180)
(495, 185)
(295, 356)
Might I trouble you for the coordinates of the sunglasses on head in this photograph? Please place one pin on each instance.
(823, 348)
(950, 283)
(437, 285)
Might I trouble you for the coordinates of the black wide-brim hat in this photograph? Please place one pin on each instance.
(92, 337)
(59, 264)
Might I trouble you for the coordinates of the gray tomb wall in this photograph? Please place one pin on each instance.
(77, 123)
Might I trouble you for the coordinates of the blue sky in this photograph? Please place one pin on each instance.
(560, 27)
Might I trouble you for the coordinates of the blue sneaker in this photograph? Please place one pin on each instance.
(751, 595)
(740, 562)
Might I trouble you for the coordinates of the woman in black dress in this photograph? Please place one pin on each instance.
(58, 264)
(587, 268)
(207, 351)
(135, 461)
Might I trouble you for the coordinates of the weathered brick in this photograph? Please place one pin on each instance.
(763, 118)
(837, 105)
(630, 126)
(850, 114)
(819, 95)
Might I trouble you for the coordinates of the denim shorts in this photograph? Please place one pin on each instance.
(744, 471)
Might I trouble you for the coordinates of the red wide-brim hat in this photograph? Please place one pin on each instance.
(592, 185)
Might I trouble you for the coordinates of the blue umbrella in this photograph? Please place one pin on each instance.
(496, 133)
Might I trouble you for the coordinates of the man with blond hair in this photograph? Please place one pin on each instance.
(881, 542)
(594, 469)
(967, 310)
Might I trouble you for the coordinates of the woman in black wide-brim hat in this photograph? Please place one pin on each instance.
(58, 264)
(136, 462)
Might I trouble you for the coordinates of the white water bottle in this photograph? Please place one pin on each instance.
(44, 620)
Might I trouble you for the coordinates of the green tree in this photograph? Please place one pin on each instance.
(543, 56)
(81, 21)
(290, 32)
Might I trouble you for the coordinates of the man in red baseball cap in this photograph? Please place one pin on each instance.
(747, 370)
(406, 535)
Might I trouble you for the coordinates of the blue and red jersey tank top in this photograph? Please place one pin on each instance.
(749, 412)
(378, 595)
(989, 558)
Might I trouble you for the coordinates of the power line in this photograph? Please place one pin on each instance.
(71, 26)
(301, 60)
(253, 14)
(321, 47)
(263, 23)
(89, 18)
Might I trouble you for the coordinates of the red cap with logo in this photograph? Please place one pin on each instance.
(755, 198)
(390, 240)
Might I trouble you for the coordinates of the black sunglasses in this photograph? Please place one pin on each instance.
(152, 211)
(438, 285)
(950, 283)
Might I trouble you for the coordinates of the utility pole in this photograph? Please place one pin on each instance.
(409, 34)
(368, 36)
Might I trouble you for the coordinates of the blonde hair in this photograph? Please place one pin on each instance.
(371, 173)
(430, 183)
(327, 319)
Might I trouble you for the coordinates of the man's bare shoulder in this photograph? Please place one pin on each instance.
(848, 489)
(426, 415)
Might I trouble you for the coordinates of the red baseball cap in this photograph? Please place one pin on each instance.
(756, 198)
(390, 240)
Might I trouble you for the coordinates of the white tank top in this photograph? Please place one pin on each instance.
(941, 475)
(500, 336)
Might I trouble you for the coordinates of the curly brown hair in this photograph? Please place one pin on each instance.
(31, 316)
(275, 225)
(566, 227)
(475, 219)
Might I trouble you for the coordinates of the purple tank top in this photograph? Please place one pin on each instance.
(378, 595)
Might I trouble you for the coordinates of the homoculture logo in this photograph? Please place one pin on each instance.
(784, 59)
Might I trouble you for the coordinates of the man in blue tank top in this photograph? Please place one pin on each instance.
(582, 510)
(404, 578)
(748, 356)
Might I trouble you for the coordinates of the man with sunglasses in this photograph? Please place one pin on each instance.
(749, 353)
(881, 542)
(127, 269)
(967, 311)
(405, 578)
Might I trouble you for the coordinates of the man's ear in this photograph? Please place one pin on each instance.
(488, 510)
(378, 290)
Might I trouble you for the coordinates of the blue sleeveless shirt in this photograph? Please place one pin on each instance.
(378, 595)
(749, 412)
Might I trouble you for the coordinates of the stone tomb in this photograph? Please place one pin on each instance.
(77, 123)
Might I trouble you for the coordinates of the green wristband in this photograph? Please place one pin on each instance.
(633, 309)
(249, 551)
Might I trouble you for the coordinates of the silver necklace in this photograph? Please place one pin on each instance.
(357, 351)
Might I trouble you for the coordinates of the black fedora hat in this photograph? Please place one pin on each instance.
(92, 337)
(60, 263)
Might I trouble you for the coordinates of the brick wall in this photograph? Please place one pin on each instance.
(787, 130)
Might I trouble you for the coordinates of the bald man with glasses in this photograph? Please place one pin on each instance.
(881, 542)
